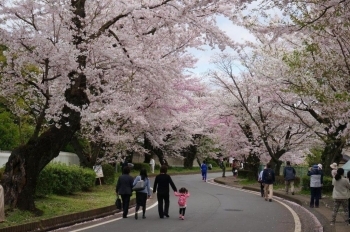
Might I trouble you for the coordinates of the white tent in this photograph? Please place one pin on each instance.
(346, 167)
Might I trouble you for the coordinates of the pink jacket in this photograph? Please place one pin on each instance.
(186, 195)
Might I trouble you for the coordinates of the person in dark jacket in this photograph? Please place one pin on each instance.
(289, 176)
(124, 189)
(316, 182)
(268, 178)
(161, 185)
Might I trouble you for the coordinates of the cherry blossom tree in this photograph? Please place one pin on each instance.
(255, 101)
(318, 63)
(73, 62)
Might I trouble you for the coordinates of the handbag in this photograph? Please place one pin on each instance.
(140, 185)
(118, 203)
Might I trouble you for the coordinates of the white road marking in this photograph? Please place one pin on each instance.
(109, 221)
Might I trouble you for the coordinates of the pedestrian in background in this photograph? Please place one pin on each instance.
(289, 176)
(124, 189)
(183, 194)
(161, 185)
(142, 195)
(320, 168)
(261, 182)
(235, 166)
(316, 181)
(204, 170)
(334, 167)
(268, 178)
(152, 163)
(340, 194)
(223, 167)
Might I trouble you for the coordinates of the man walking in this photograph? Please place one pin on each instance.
(268, 178)
(223, 166)
(289, 176)
(152, 163)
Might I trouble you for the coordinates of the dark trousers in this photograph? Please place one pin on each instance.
(163, 197)
(315, 196)
(223, 171)
(182, 211)
(349, 210)
(262, 189)
(125, 203)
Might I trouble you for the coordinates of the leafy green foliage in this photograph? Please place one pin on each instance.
(314, 157)
(58, 178)
(108, 173)
(9, 134)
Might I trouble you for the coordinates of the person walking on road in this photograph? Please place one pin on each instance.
(183, 194)
(340, 194)
(316, 182)
(235, 166)
(152, 163)
(161, 185)
(268, 178)
(124, 189)
(261, 182)
(289, 176)
(142, 195)
(204, 170)
(223, 166)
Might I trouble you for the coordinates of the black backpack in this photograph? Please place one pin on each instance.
(268, 176)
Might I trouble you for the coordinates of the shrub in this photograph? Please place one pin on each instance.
(89, 177)
(139, 166)
(279, 180)
(250, 175)
(108, 173)
(58, 178)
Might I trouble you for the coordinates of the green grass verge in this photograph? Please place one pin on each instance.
(54, 205)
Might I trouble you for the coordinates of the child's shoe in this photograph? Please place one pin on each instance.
(182, 218)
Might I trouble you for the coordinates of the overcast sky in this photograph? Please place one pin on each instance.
(236, 33)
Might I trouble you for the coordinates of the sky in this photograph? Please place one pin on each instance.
(236, 33)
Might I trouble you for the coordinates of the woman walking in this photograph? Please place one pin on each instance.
(161, 185)
(340, 194)
(142, 195)
(124, 189)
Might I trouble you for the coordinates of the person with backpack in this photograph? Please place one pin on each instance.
(316, 182)
(183, 194)
(204, 169)
(289, 176)
(268, 178)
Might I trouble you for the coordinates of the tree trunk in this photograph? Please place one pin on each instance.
(155, 151)
(332, 153)
(190, 154)
(26, 162)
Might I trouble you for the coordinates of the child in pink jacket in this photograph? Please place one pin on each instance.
(183, 194)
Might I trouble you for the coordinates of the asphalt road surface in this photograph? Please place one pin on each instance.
(211, 207)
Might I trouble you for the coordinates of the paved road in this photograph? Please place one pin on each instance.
(211, 207)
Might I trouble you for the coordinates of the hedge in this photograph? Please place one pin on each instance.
(60, 179)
